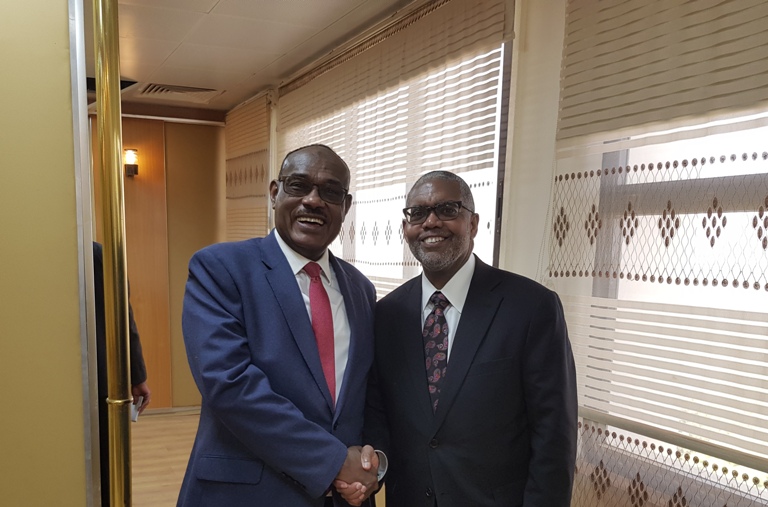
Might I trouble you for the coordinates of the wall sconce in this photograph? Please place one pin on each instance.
(131, 161)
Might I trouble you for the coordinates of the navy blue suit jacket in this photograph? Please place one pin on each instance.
(268, 433)
(504, 433)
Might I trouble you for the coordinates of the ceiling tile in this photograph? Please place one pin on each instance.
(243, 91)
(219, 58)
(137, 71)
(187, 5)
(258, 35)
(238, 46)
(145, 22)
(146, 50)
(182, 76)
(310, 13)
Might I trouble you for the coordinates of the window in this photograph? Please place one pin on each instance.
(427, 97)
(660, 253)
(447, 119)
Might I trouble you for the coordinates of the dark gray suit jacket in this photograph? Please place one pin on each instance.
(504, 433)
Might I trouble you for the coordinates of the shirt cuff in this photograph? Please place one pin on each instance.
(383, 465)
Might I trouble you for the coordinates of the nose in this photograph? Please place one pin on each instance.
(432, 220)
(313, 198)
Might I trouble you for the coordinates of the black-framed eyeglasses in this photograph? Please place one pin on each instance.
(297, 186)
(448, 210)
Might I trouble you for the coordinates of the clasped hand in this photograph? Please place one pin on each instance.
(357, 479)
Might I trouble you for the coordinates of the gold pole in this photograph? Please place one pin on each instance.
(109, 128)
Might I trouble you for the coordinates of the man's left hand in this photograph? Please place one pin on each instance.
(143, 391)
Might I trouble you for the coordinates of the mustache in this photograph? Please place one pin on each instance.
(309, 213)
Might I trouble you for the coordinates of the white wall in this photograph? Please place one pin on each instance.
(537, 50)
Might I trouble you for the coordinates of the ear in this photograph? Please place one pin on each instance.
(473, 222)
(273, 189)
(347, 206)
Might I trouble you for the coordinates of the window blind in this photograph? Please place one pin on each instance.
(628, 63)
(659, 249)
(672, 366)
(247, 169)
(659, 211)
(426, 97)
(247, 128)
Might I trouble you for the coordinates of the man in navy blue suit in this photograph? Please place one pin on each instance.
(280, 419)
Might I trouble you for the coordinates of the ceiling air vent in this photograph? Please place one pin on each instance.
(180, 93)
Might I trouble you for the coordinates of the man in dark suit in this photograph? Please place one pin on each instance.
(473, 390)
(282, 396)
(139, 388)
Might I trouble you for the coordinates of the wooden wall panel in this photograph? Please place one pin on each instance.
(147, 248)
(195, 175)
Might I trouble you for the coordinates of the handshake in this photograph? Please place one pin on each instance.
(358, 477)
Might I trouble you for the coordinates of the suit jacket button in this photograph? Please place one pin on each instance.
(433, 443)
(429, 492)
(336, 425)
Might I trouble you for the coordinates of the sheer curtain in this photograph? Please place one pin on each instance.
(659, 219)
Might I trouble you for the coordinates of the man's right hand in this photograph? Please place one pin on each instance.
(357, 478)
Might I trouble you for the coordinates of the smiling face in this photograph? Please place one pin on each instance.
(442, 246)
(309, 224)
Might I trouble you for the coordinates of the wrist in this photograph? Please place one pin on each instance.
(383, 465)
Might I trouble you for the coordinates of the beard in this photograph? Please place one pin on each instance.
(460, 247)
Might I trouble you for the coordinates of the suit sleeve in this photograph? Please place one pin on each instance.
(138, 368)
(552, 407)
(376, 423)
(239, 394)
(376, 426)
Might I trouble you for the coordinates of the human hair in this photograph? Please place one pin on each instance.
(318, 146)
(466, 194)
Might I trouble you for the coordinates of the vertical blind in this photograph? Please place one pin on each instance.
(427, 97)
(247, 170)
(660, 214)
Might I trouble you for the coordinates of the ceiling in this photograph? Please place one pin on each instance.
(226, 51)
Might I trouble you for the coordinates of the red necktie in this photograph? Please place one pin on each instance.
(435, 335)
(322, 324)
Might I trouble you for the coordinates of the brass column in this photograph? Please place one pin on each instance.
(109, 129)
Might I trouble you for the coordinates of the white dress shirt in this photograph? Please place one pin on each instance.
(341, 330)
(455, 291)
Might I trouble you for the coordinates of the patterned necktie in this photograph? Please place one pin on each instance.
(322, 324)
(436, 345)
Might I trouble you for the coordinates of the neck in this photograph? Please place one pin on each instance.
(441, 277)
(436, 279)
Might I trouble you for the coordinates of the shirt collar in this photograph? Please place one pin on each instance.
(455, 290)
(297, 261)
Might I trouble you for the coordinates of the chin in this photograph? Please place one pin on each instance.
(433, 261)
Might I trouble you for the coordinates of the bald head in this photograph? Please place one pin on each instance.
(466, 194)
(314, 152)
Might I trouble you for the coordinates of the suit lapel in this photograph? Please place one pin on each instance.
(353, 298)
(479, 310)
(288, 296)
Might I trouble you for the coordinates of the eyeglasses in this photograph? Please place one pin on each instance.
(297, 186)
(448, 210)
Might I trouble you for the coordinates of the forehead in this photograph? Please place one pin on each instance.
(317, 164)
(431, 192)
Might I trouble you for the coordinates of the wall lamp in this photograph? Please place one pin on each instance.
(131, 162)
